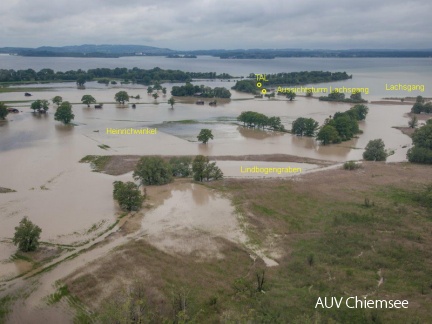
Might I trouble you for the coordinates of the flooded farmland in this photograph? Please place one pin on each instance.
(74, 206)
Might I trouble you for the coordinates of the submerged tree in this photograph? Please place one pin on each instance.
(328, 134)
(3, 111)
(171, 101)
(290, 95)
(121, 97)
(40, 106)
(27, 236)
(81, 80)
(64, 113)
(57, 100)
(88, 100)
(205, 135)
(128, 195)
(204, 170)
(304, 127)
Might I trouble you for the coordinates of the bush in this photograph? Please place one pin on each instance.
(419, 154)
(181, 166)
(375, 151)
(27, 236)
(153, 170)
(128, 195)
(351, 165)
(204, 170)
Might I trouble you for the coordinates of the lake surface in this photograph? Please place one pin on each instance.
(368, 72)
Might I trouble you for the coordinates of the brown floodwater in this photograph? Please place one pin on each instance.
(189, 219)
(40, 158)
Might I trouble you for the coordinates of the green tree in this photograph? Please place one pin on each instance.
(336, 95)
(413, 122)
(155, 96)
(128, 195)
(40, 105)
(88, 100)
(304, 126)
(422, 137)
(328, 134)
(149, 89)
(291, 95)
(153, 170)
(359, 112)
(417, 108)
(275, 123)
(121, 97)
(309, 93)
(356, 95)
(57, 100)
(81, 80)
(205, 135)
(164, 91)
(375, 151)
(181, 166)
(204, 170)
(419, 154)
(27, 236)
(198, 167)
(64, 113)
(171, 101)
(3, 111)
(420, 99)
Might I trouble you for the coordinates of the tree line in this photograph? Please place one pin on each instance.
(135, 75)
(257, 120)
(207, 92)
(355, 97)
(292, 78)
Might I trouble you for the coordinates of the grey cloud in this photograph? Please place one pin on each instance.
(201, 24)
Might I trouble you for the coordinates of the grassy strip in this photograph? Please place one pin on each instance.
(97, 162)
(5, 307)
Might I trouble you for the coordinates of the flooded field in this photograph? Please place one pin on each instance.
(74, 206)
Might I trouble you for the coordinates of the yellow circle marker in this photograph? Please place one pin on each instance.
(263, 91)
(259, 85)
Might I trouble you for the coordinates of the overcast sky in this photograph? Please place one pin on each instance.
(208, 24)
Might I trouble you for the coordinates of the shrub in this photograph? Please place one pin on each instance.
(128, 195)
(153, 170)
(27, 236)
(351, 165)
(375, 151)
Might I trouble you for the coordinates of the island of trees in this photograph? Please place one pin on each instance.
(135, 75)
(337, 96)
(202, 91)
(421, 107)
(256, 120)
(292, 78)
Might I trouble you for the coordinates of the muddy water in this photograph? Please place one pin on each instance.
(189, 220)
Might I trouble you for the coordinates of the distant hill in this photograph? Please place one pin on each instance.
(89, 50)
(131, 50)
